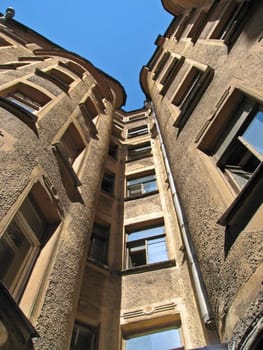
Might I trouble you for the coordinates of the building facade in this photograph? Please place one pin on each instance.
(142, 229)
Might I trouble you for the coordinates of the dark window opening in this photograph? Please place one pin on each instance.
(99, 243)
(84, 337)
(138, 131)
(139, 151)
(113, 150)
(107, 184)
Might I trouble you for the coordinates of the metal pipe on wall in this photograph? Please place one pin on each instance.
(201, 294)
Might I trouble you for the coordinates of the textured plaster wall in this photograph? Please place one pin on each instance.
(159, 286)
(203, 192)
(21, 151)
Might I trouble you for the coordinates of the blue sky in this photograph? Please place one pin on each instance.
(116, 36)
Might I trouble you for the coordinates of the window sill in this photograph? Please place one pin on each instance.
(141, 195)
(107, 194)
(150, 267)
(139, 158)
(99, 267)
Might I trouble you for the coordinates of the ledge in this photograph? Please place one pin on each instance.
(102, 268)
(149, 267)
(126, 199)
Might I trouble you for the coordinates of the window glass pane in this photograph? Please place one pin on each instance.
(21, 104)
(254, 132)
(99, 243)
(33, 217)
(157, 250)
(98, 249)
(14, 248)
(137, 256)
(135, 190)
(6, 257)
(150, 232)
(163, 340)
(138, 131)
(150, 187)
(83, 338)
(141, 179)
(107, 184)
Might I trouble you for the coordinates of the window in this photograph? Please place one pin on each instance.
(72, 143)
(225, 20)
(190, 91)
(161, 65)
(84, 337)
(73, 67)
(98, 94)
(139, 151)
(70, 148)
(241, 150)
(167, 338)
(187, 86)
(88, 107)
(99, 243)
(235, 141)
(107, 184)
(27, 97)
(146, 246)
(239, 147)
(58, 77)
(22, 239)
(170, 74)
(141, 185)
(24, 101)
(89, 112)
(137, 131)
(194, 24)
(113, 150)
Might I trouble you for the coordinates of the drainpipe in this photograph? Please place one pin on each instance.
(201, 294)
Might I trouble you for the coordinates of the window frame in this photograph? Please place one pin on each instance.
(227, 25)
(139, 151)
(161, 64)
(171, 72)
(26, 97)
(141, 190)
(93, 330)
(190, 91)
(193, 29)
(73, 67)
(102, 236)
(140, 235)
(90, 113)
(113, 150)
(36, 217)
(137, 131)
(62, 148)
(108, 183)
(227, 116)
(56, 76)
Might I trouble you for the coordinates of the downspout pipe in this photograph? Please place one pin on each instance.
(201, 294)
